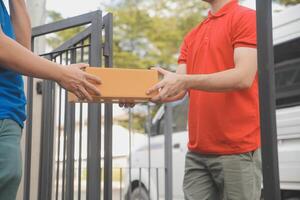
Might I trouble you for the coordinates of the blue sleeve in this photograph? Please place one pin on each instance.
(2, 17)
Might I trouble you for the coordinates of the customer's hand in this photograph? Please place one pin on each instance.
(75, 80)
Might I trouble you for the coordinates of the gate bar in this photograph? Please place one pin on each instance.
(46, 154)
(168, 129)
(267, 100)
(28, 139)
(108, 120)
(94, 117)
(65, 24)
(70, 142)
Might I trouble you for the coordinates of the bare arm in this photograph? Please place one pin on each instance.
(21, 22)
(238, 78)
(17, 58)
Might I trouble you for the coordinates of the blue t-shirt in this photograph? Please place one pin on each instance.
(12, 97)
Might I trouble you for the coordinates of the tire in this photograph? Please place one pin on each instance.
(139, 194)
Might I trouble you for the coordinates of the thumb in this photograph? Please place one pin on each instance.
(161, 70)
(82, 66)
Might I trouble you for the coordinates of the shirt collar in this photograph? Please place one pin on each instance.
(224, 10)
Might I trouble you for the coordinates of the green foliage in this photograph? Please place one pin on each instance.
(290, 2)
(58, 38)
(148, 33)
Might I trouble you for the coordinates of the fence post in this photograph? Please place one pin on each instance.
(94, 34)
(70, 127)
(108, 53)
(28, 139)
(168, 152)
(94, 117)
(267, 100)
(47, 135)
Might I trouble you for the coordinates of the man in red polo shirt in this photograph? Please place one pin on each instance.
(218, 67)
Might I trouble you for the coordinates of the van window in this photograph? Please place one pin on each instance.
(180, 116)
(287, 82)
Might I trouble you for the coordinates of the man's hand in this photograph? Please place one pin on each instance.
(75, 80)
(173, 86)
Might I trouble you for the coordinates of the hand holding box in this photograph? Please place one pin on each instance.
(122, 85)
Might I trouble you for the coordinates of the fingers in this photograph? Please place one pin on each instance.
(82, 91)
(156, 87)
(92, 78)
(82, 66)
(163, 94)
(85, 94)
(156, 99)
(163, 98)
(91, 88)
(78, 94)
(161, 70)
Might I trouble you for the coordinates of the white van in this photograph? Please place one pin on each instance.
(287, 60)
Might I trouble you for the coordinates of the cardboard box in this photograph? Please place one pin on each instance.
(125, 85)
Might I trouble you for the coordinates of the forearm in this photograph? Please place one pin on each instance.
(238, 78)
(21, 22)
(23, 61)
(229, 80)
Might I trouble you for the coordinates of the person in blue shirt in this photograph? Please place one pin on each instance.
(16, 59)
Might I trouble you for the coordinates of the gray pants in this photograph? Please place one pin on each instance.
(10, 159)
(225, 177)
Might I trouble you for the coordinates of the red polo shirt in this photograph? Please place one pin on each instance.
(227, 122)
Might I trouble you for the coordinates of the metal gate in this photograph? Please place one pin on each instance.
(61, 167)
(58, 161)
(75, 154)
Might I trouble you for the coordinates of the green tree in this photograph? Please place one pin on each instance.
(58, 38)
(148, 33)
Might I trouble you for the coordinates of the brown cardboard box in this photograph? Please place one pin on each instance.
(128, 85)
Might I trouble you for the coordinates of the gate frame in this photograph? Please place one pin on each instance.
(267, 106)
(97, 23)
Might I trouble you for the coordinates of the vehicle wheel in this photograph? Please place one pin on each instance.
(139, 194)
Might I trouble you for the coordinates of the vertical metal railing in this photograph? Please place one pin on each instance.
(149, 175)
(108, 143)
(94, 110)
(28, 139)
(90, 41)
(62, 156)
(267, 100)
(47, 136)
(67, 170)
(168, 152)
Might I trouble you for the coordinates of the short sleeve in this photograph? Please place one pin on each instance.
(244, 30)
(182, 59)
